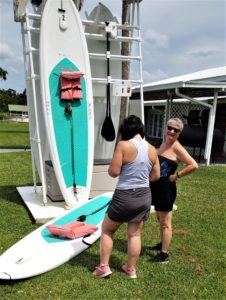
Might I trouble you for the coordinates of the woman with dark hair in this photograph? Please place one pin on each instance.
(136, 163)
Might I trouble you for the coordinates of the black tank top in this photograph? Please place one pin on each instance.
(167, 166)
(164, 191)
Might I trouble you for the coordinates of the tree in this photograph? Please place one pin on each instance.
(11, 97)
(6, 97)
(125, 65)
(3, 74)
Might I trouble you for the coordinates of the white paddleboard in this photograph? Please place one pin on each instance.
(63, 48)
(102, 148)
(40, 251)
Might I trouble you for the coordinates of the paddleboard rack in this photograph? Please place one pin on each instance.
(30, 30)
(30, 36)
(132, 25)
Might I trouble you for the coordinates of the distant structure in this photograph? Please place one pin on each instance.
(20, 111)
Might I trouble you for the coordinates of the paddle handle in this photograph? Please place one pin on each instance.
(108, 109)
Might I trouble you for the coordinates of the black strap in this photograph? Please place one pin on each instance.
(83, 217)
(99, 209)
(72, 153)
(61, 7)
(72, 88)
(10, 278)
(68, 112)
(86, 243)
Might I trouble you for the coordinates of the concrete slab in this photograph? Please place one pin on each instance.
(44, 213)
(34, 202)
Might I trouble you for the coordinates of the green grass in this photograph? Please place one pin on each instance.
(14, 135)
(196, 269)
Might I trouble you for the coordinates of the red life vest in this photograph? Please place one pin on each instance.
(71, 85)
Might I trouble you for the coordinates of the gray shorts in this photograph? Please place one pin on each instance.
(131, 205)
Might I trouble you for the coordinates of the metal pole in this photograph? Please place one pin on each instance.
(210, 129)
(140, 64)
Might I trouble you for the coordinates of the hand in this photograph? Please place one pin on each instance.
(173, 178)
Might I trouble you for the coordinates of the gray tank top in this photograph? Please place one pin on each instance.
(136, 173)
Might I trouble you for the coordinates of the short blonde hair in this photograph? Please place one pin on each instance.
(178, 121)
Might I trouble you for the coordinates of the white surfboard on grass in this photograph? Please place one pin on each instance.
(41, 251)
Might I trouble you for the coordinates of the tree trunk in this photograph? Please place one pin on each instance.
(79, 4)
(125, 50)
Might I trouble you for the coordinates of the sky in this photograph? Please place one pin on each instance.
(178, 37)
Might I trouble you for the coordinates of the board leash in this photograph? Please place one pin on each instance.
(83, 217)
(68, 112)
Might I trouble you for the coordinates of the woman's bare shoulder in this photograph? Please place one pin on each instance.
(152, 148)
(152, 153)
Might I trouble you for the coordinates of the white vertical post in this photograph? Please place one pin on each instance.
(26, 75)
(31, 74)
(167, 114)
(140, 64)
(210, 129)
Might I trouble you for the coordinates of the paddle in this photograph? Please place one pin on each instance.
(108, 130)
(82, 218)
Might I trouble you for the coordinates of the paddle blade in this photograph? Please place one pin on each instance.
(82, 218)
(108, 130)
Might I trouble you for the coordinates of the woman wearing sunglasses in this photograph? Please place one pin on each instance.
(170, 154)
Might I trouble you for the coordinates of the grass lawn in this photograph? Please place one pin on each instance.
(14, 135)
(196, 269)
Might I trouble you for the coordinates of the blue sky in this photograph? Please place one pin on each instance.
(178, 37)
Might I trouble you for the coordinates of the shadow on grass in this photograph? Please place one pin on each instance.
(12, 282)
(9, 194)
(23, 147)
(15, 131)
(120, 245)
(93, 261)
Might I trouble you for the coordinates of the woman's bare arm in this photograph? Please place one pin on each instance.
(155, 172)
(184, 157)
(116, 163)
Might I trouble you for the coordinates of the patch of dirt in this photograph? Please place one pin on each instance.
(180, 232)
(199, 268)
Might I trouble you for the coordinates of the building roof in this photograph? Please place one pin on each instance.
(198, 84)
(210, 78)
(18, 108)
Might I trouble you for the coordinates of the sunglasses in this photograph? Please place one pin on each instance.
(170, 128)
